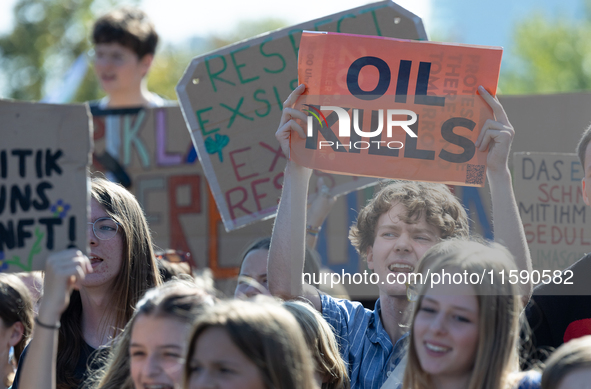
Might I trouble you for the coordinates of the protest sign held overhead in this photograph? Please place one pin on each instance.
(232, 102)
(44, 159)
(391, 108)
(554, 215)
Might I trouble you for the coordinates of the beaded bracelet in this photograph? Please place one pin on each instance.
(48, 326)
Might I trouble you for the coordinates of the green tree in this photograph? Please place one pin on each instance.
(47, 36)
(553, 54)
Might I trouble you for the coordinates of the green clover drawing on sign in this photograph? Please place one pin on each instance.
(215, 146)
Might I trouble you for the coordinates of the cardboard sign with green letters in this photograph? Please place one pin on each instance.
(232, 102)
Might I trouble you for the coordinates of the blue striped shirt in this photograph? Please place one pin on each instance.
(364, 343)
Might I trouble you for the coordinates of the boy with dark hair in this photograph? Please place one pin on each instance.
(392, 233)
(558, 313)
(124, 46)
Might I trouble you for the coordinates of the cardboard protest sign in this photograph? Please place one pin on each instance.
(543, 123)
(550, 123)
(394, 109)
(44, 156)
(535, 118)
(150, 151)
(554, 215)
(232, 102)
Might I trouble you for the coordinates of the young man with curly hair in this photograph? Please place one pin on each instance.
(392, 233)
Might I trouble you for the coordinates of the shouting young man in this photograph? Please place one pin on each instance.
(392, 233)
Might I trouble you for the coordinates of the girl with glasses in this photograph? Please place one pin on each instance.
(89, 299)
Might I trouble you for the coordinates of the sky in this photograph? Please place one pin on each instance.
(177, 20)
(482, 22)
(199, 19)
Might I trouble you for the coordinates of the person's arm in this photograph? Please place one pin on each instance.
(508, 228)
(318, 212)
(62, 270)
(287, 251)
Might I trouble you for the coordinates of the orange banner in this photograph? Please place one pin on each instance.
(383, 107)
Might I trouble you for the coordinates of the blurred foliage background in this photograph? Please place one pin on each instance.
(49, 35)
(551, 54)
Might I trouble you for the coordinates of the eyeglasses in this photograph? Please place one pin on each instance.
(114, 57)
(105, 228)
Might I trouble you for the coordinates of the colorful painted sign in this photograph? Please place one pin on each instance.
(150, 152)
(232, 102)
(554, 215)
(384, 107)
(44, 156)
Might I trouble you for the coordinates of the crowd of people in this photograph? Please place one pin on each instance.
(123, 316)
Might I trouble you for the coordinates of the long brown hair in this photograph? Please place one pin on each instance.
(267, 334)
(138, 273)
(322, 344)
(177, 299)
(499, 307)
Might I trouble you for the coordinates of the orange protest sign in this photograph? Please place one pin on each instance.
(384, 107)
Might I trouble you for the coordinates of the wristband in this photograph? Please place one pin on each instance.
(48, 326)
(313, 230)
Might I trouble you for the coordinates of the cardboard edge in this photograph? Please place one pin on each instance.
(418, 21)
(194, 131)
(520, 153)
(186, 80)
(281, 32)
(87, 172)
(204, 160)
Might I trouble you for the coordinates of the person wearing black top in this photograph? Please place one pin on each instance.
(559, 312)
(88, 299)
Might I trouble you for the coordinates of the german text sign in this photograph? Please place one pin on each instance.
(232, 102)
(554, 215)
(44, 157)
(392, 108)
